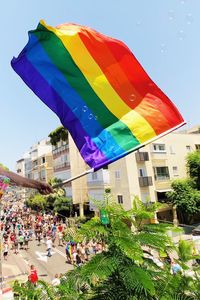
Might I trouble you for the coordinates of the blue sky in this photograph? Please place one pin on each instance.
(162, 34)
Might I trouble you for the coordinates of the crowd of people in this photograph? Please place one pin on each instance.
(19, 227)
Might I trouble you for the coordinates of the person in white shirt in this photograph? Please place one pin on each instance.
(5, 250)
(49, 246)
(56, 280)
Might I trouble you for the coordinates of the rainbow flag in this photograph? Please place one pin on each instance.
(98, 89)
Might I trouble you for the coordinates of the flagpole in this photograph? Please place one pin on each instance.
(135, 149)
(73, 178)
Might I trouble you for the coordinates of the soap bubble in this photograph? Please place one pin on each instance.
(85, 108)
(90, 116)
(189, 19)
(138, 23)
(171, 14)
(181, 35)
(162, 48)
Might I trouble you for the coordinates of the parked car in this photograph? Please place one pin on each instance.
(196, 231)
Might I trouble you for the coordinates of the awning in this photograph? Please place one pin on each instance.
(163, 191)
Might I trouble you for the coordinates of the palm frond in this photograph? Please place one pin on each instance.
(99, 268)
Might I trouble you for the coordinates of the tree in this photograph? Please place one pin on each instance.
(186, 199)
(59, 134)
(37, 202)
(125, 269)
(57, 192)
(62, 205)
(193, 164)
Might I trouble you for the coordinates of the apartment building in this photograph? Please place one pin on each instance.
(36, 163)
(20, 169)
(148, 173)
(67, 163)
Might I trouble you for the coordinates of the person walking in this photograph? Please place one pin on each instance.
(16, 245)
(33, 276)
(60, 238)
(5, 250)
(49, 246)
(39, 238)
(26, 240)
(21, 241)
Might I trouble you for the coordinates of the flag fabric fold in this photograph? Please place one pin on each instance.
(97, 88)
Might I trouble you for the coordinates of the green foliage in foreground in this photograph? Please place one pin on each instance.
(125, 269)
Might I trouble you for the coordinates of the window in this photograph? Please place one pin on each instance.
(145, 197)
(188, 148)
(43, 174)
(120, 199)
(142, 172)
(64, 158)
(197, 147)
(159, 148)
(43, 160)
(117, 174)
(35, 163)
(161, 173)
(175, 170)
(94, 176)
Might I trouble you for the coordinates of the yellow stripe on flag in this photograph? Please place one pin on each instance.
(99, 83)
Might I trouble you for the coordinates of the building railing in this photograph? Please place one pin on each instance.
(162, 177)
(60, 149)
(61, 166)
(145, 181)
(141, 156)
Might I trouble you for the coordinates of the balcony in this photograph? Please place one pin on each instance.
(164, 177)
(145, 181)
(59, 150)
(61, 166)
(141, 156)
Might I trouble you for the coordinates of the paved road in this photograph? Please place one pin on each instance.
(17, 266)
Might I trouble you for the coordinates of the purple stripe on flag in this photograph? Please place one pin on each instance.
(49, 96)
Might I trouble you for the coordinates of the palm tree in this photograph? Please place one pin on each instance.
(122, 270)
(57, 192)
(126, 268)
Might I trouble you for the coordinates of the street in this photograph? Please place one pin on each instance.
(17, 266)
